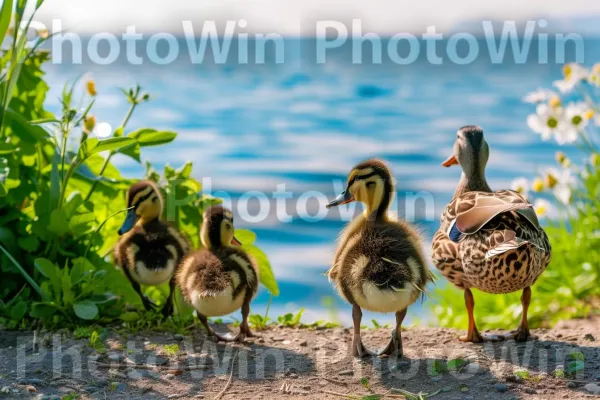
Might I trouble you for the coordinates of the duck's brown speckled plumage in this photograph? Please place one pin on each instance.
(464, 263)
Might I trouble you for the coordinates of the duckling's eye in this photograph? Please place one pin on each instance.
(370, 184)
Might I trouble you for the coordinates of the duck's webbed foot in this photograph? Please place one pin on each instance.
(394, 346)
(474, 336)
(522, 334)
(359, 349)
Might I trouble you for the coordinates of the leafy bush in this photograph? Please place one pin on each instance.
(569, 196)
(60, 198)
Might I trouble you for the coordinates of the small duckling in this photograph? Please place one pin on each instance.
(221, 277)
(149, 249)
(488, 240)
(379, 264)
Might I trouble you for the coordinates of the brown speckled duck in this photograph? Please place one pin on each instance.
(491, 241)
(220, 278)
(379, 264)
(149, 249)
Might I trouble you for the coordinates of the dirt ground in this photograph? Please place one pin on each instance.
(286, 363)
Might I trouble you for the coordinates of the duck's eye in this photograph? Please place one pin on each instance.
(370, 184)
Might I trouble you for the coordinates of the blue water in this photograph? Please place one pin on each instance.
(305, 126)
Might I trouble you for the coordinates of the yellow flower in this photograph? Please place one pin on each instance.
(541, 207)
(43, 33)
(537, 185)
(551, 181)
(91, 87)
(554, 101)
(89, 123)
(562, 159)
(567, 71)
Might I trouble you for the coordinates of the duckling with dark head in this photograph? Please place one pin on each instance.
(220, 278)
(379, 264)
(149, 249)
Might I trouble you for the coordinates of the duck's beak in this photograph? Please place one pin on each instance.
(450, 161)
(344, 198)
(235, 242)
(129, 223)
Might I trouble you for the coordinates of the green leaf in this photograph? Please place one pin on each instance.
(46, 267)
(18, 311)
(151, 137)
(58, 222)
(132, 151)
(86, 309)
(42, 310)
(77, 273)
(5, 17)
(6, 148)
(245, 236)
(266, 276)
(3, 191)
(456, 364)
(575, 366)
(130, 316)
(29, 243)
(112, 144)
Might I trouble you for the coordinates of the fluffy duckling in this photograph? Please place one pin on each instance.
(149, 249)
(491, 241)
(379, 264)
(221, 277)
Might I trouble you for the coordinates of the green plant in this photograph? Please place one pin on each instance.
(61, 199)
(290, 320)
(260, 322)
(568, 197)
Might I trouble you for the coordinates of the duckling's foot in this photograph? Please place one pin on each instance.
(167, 310)
(520, 335)
(475, 337)
(358, 348)
(394, 347)
(148, 304)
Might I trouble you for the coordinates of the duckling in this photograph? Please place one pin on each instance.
(491, 241)
(379, 264)
(221, 277)
(149, 249)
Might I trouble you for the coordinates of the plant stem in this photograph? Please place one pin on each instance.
(111, 154)
(27, 277)
(100, 227)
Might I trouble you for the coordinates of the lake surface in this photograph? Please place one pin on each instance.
(303, 125)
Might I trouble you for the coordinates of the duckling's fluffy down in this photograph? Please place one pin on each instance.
(217, 283)
(382, 267)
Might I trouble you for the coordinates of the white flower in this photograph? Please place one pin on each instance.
(542, 207)
(539, 96)
(573, 73)
(561, 183)
(594, 77)
(575, 118)
(520, 185)
(546, 121)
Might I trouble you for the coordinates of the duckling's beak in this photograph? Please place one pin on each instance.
(450, 161)
(235, 242)
(129, 223)
(344, 198)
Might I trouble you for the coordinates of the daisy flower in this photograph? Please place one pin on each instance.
(542, 207)
(560, 182)
(546, 121)
(520, 185)
(594, 77)
(539, 96)
(573, 74)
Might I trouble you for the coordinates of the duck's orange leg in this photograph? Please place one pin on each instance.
(473, 334)
(522, 333)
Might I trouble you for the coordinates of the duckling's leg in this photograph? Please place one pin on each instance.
(358, 349)
(522, 333)
(210, 331)
(395, 343)
(473, 334)
(148, 305)
(244, 327)
(168, 308)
